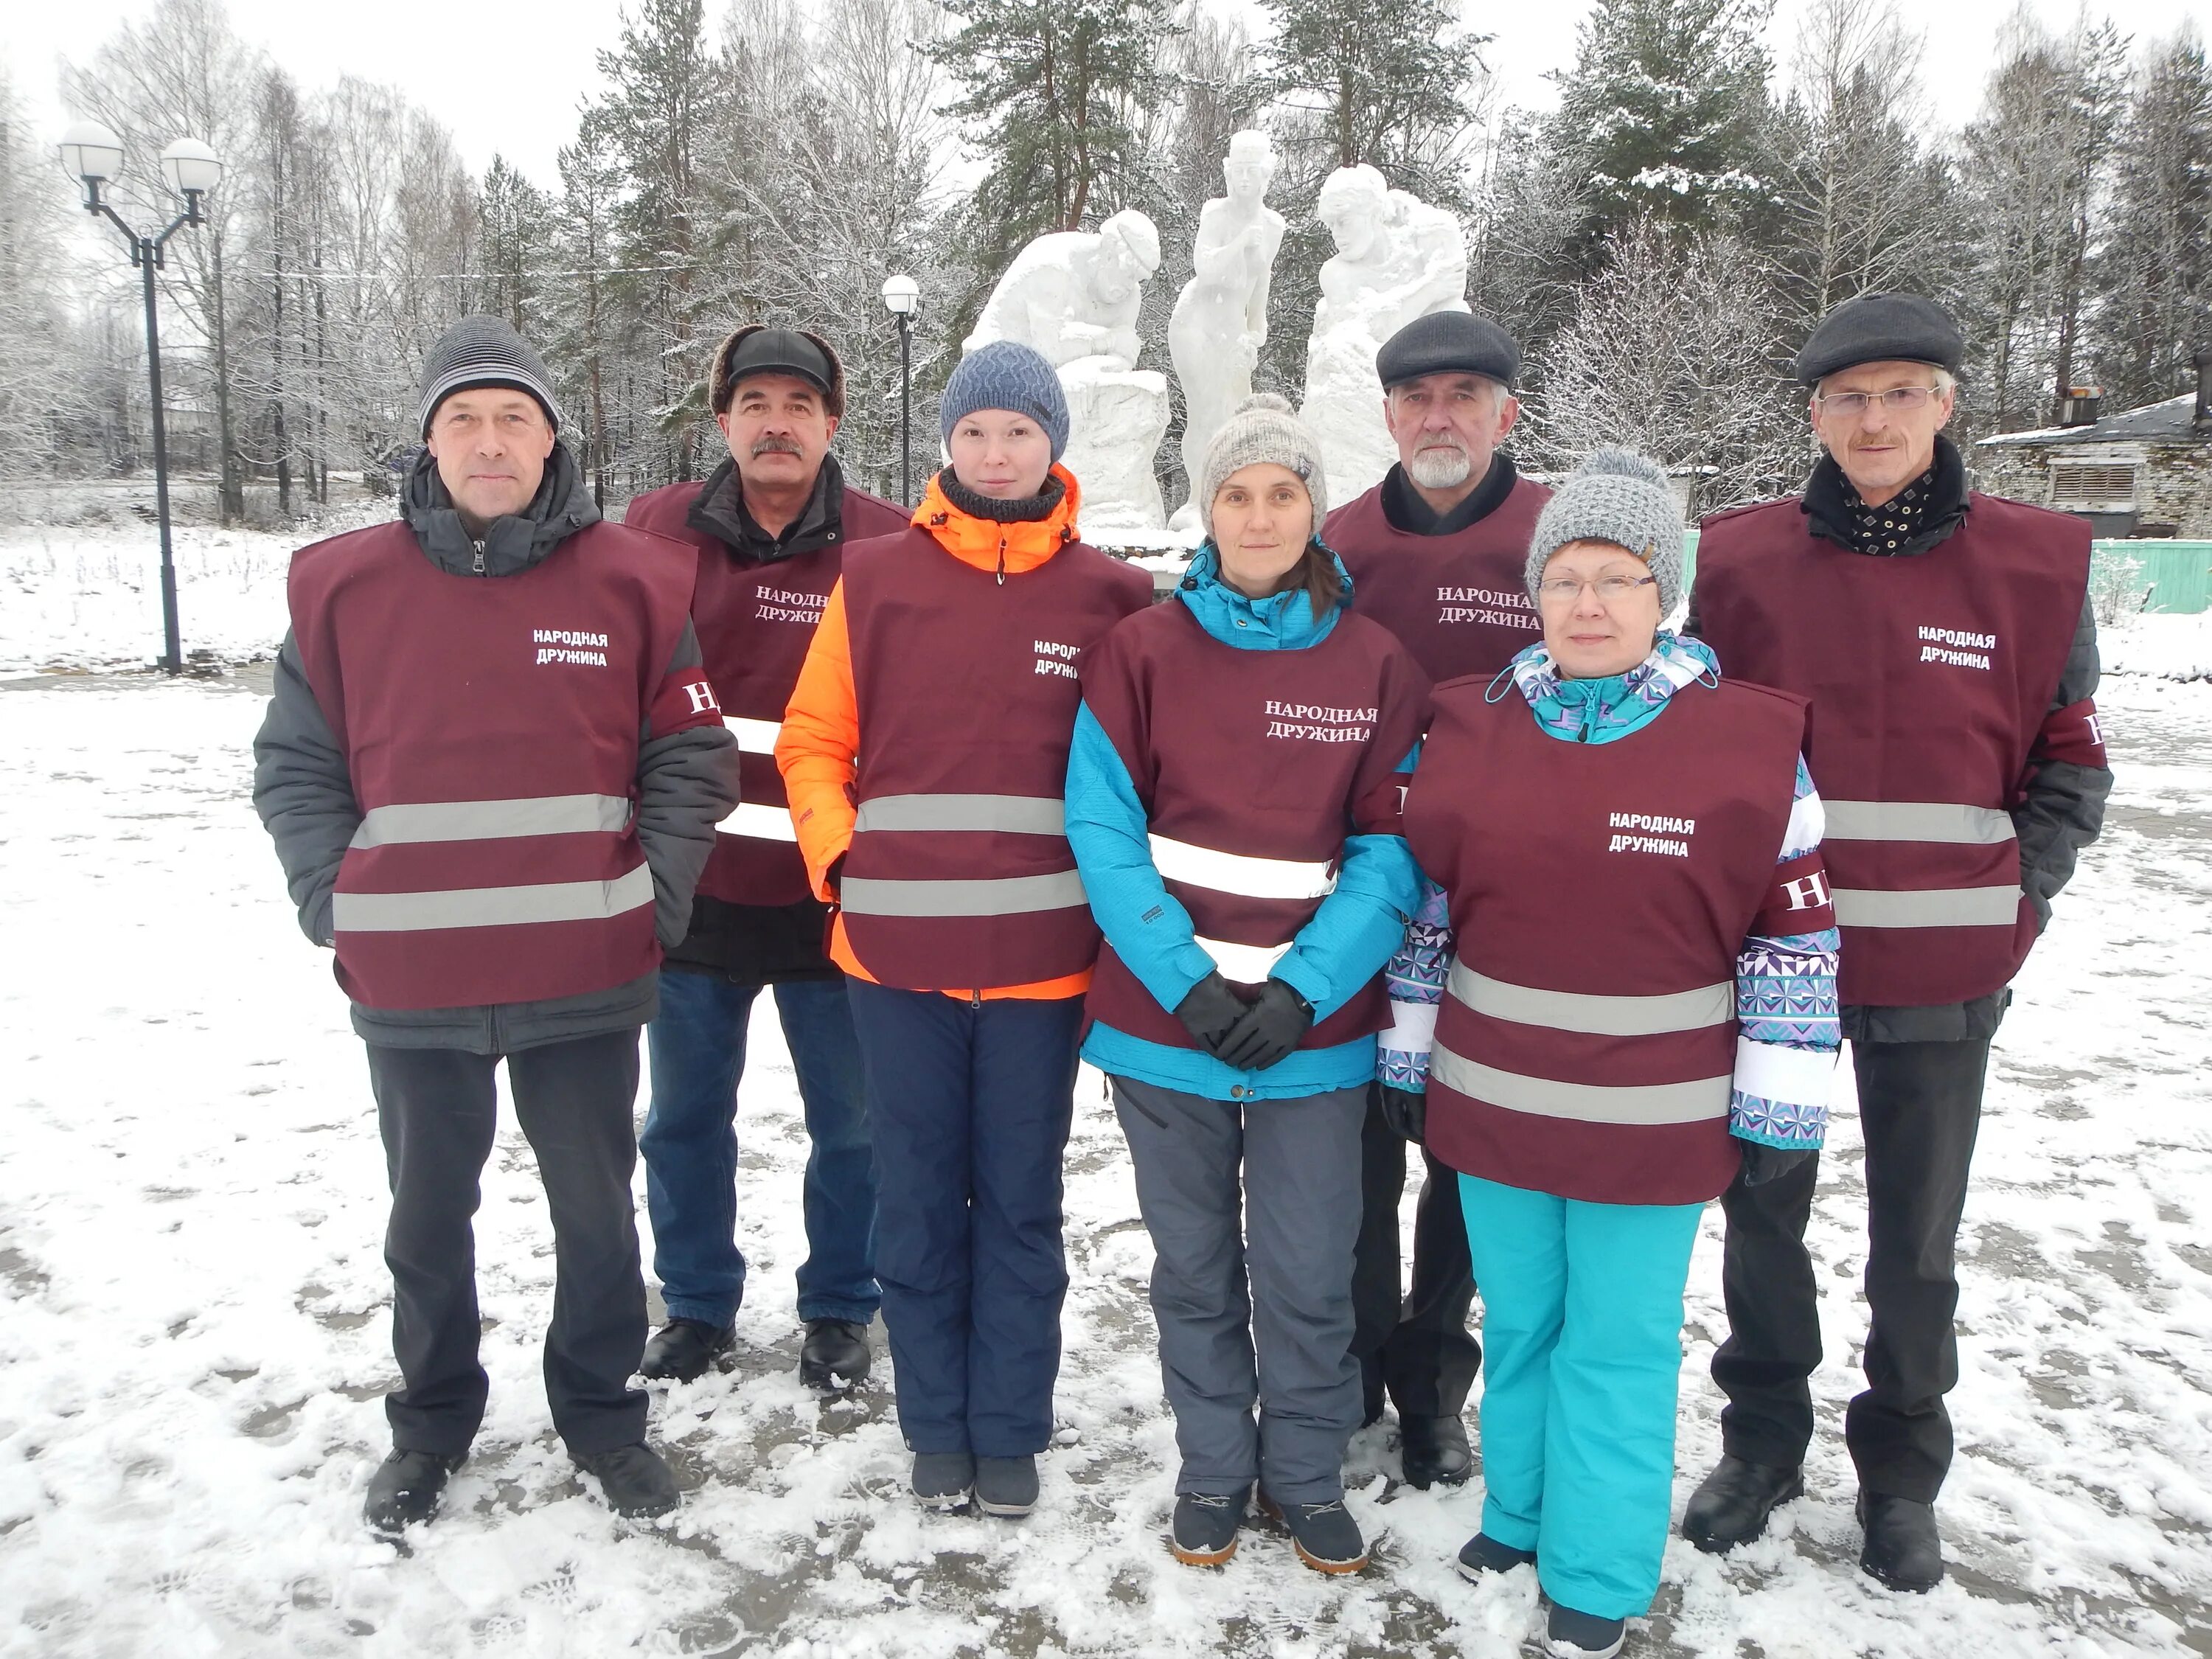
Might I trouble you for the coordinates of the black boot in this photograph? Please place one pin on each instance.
(1433, 1450)
(942, 1480)
(1005, 1485)
(636, 1481)
(681, 1349)
(405, 1490)
(1731, 1504)
(1324, 1535)
(1903, 1549)
(1205, 1531)
(835, 1352)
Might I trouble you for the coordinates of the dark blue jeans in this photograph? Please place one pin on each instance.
(970, 1105)
(697, 1048)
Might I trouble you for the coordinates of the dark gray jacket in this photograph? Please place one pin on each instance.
(687, 782)
(2065, 808)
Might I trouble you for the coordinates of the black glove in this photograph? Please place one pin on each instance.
(1762, 1163)
(1406, 1113)
(1210, 1011)
(1275, 1024)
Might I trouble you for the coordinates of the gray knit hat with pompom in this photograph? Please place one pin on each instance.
(1617, 496)
(1263, 428)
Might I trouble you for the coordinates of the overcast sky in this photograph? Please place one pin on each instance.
(508, 79)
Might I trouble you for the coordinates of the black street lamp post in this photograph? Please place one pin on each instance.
(94, 154)
(902, 295)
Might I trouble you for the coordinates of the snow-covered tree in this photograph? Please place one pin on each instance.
(40, 396)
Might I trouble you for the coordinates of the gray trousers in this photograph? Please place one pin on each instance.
(1288, 1170)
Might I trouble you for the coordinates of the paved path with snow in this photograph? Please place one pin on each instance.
(193, 1317)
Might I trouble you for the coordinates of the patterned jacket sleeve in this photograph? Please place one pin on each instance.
(1785, 995)
(1416, 974)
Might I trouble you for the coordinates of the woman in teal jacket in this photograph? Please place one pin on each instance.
(1232, 800)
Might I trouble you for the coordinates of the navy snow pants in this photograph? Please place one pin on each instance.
(970, 1104)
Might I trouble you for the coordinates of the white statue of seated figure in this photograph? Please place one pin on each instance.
(1396, 258)
(1073, 297)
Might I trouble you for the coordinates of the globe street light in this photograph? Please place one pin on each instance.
(94, 154)
(903, 296)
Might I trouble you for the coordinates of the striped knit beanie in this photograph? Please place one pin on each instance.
(1617, 496)
(1006, 374)
(483, 351)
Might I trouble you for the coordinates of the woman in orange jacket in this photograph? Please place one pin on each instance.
(923, 754)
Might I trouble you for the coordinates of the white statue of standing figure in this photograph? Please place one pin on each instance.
(1396, 258)
(1220, 319)
(1074, 295)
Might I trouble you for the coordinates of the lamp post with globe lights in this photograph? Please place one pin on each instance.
(94, 154)
(903, 296)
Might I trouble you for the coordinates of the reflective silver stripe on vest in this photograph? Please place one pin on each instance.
(1246, 965)
(754, 737)
(1237, 873)
(1917, 820)
(759, 821)
(1928, 907)
(1003, 895)
(491, 907)
(1568, 1010)
(492, 820)
(1014, 815)
(1696, 1101)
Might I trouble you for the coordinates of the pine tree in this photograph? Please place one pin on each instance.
(2157, 271)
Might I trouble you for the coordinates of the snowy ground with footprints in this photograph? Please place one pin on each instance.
(194, 1312)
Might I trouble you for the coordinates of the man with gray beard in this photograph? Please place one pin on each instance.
(1436, 552)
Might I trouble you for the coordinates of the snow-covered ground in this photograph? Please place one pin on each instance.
(193, 1312)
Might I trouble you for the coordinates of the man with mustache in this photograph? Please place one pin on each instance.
(1946, 641)
(770, 525)
(1437, 553)
(492, 767)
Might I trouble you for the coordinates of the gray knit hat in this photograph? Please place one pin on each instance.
(1263, 428)
(483, 351)
(1006, 374)
(1617, 496)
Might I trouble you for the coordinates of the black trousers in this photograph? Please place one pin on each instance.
(1919, 1106)
(1416, 1345)
(437, 1109)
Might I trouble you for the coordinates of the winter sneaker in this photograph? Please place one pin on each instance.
(1731, 1504)
(1904, 1552)
(1005, 1485)
(1326, 1536)
(835, 1352)
(405, 1490)
(1205, 1522)
(636, 1480)
(1433, 1451)
(681, 1349)
(1483, 1553)
(1584, 1635)
(942, 1480)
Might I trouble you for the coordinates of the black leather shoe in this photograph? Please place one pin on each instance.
(405, 1490)
(1903, 1549)
(636, 1480)
(835, 1352)
(1433, 1450)
(681, 1349)
(1731, 1504)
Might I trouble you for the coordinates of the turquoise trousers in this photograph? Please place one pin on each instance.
(1582, 1319)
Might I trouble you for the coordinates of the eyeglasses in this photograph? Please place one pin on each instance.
(1610, 589)
(1898, 400)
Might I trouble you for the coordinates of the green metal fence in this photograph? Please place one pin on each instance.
(2176, 576)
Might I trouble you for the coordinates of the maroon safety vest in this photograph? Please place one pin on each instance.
(960, 874)
(491, 728)
(755, 623)
(1460, 603)
(1252, 767)
(1930, 677)
(1586, 1042)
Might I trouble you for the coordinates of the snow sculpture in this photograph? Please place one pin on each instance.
(1075, 296)
(1220, 319)
(1396, 258)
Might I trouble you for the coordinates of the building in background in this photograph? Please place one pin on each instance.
(2143, 472)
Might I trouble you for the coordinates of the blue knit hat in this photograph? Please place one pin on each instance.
(1006, 374)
